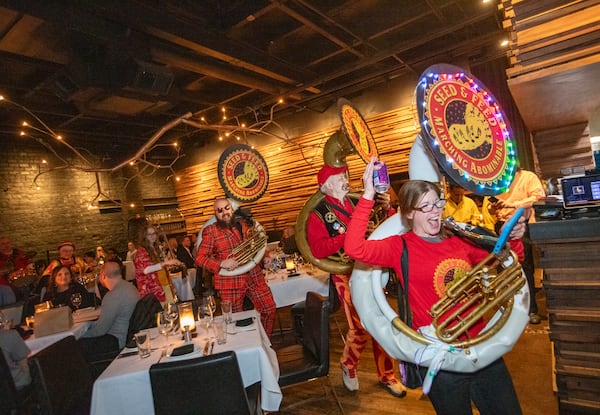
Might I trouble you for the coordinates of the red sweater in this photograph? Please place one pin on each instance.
(433, 266)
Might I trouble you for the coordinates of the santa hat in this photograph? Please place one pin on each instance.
(327, 171)
(66, 243)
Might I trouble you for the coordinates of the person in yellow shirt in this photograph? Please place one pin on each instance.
(462, 209)
(488, 219)
(525, 189)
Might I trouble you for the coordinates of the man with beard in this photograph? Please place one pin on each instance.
(326, 233)
(218, 240)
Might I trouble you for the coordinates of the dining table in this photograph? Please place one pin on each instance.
(125, 388)
(81, 319)
(289, 289)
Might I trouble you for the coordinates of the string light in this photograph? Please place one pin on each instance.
(83, 163)
(425, 86)
(146, 167)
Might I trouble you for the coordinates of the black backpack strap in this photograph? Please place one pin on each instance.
(403, 305)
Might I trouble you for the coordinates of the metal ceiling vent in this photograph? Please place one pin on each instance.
(151, 79)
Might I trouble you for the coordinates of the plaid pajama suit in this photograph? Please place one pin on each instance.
(216, 245)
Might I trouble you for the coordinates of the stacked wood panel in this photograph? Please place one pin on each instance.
(548, 33)
(554, 57)
(570, 257)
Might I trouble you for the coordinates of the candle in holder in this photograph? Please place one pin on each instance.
(186, 316)
(290, 265)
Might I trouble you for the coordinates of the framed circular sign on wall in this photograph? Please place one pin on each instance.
(243, 173)
(466, 130)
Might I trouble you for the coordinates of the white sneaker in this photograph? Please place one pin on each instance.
(350, 379)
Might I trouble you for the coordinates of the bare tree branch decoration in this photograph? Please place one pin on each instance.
(140, 158)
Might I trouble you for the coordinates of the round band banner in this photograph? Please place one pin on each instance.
(356, 129)
(466, 130)
(243, 173)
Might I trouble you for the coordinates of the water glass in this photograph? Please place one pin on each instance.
(165, 325)
(220, 328)
(205, 317)
(226, 310)
(142, 340)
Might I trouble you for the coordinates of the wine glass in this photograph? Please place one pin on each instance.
(76, 300)
(205, 314)
(172, 313)
(165, 325)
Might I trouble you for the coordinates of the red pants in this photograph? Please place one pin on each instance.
(260, 294)
(357, 336)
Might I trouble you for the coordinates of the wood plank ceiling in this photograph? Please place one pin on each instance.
(108, 74)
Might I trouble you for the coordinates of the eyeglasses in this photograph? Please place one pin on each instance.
(428, 207)
(151, 233)
(222, 209)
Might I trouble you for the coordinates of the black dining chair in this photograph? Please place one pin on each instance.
(61, 379)
(309, 360)
(209, 385)
(143, 316)
(12, 401)
(297, 311)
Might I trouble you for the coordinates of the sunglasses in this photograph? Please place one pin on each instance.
(227, 208)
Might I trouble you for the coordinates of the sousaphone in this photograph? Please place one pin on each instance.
(355, 137)
(464, 133)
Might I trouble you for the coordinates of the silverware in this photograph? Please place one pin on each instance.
(205, 351)
(134, 353)
(233, 333)
(162, 354)
(212, 346)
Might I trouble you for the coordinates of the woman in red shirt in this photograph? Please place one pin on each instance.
(436, 261)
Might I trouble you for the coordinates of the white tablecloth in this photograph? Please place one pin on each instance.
(36, 344)
(124, 387)
(183, 287)
(291, 290)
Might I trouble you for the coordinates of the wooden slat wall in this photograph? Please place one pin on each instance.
(550, 32)
(567, 146)
(293, 170)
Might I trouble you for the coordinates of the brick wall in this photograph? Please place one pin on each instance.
(39, 219)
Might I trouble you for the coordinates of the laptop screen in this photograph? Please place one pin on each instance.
(583, 191)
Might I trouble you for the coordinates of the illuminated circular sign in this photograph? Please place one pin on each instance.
(243, 173)
(466, 130)
(356, 129)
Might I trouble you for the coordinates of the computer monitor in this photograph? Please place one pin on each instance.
(582, 191)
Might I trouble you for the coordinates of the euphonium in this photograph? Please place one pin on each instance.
(254, 241)
(250, 252)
